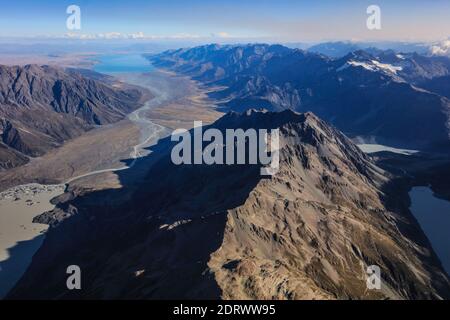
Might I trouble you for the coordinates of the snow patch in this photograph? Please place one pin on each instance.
(373, 65)
(387, 67)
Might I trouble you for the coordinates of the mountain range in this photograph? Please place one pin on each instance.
(224, 231)
(43, 106)
(339, 49)
(214, 231)
(378, 95)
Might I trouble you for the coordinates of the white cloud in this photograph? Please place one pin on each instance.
(441, 49)
(118, 35)
(139, 35)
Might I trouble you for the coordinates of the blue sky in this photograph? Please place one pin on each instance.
(282, 20)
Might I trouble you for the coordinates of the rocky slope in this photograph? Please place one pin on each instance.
(380, 95)
(224, 231)
(43, 106)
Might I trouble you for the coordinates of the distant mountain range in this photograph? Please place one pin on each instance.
(382, 96)
(43, 106)
(338, 49)
(215, 231)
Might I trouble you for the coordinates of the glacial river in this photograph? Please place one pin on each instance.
(433, 215)
(20, 238)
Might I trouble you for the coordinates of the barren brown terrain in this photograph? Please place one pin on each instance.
(181, 113)
(187, 232)
(177, 102)
(97, 149)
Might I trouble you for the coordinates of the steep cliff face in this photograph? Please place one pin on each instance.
(224, 231)
(42, 106)
(311, 231)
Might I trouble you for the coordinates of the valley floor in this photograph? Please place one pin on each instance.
(19, 236)
(89, 162)
(177, 103)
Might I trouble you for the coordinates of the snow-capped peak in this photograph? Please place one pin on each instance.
(371, 65)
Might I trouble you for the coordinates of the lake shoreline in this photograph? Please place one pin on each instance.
(170, 90)
(20, 237)
(433, 216)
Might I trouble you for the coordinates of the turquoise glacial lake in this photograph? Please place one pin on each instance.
(122, 63)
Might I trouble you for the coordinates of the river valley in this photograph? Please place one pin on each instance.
(20, 238)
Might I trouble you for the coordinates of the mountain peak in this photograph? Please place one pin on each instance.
(360, 55)
(317, 222)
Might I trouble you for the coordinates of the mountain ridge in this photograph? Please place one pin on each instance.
(43, 106)
(308, 232)
(370, 95)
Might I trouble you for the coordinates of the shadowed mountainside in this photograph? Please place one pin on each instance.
(210, 231)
